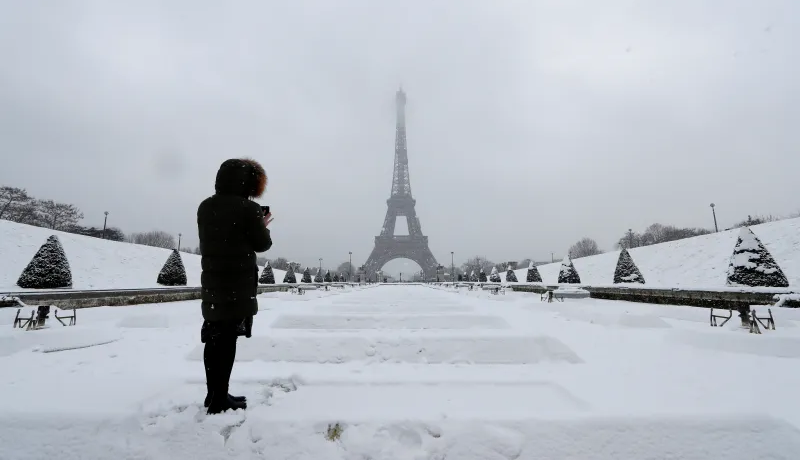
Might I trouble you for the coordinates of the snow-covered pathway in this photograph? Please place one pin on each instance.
(408, 372)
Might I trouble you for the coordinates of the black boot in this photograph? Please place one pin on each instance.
(236, 399)
(219, 405)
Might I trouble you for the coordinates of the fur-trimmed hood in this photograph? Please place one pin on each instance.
(242, 177)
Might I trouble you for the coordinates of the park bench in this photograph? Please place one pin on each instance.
(302, 288)
(39, 316)
(755, 320)
(713, 317)
(494, 288)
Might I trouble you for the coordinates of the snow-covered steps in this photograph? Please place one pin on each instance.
(186, 433)
(432, 350)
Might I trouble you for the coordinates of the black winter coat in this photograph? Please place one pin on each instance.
(232, 231)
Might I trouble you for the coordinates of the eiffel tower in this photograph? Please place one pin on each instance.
(389, 246)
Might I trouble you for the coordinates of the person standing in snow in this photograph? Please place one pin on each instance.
(232, 229)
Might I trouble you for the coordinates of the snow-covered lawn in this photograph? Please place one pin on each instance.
(408, 372)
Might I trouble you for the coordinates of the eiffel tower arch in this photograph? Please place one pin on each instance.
(389, 246)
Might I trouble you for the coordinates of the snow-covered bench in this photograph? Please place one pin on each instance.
(302, 288)
(719, 313)
(494, 288)
(761, 315)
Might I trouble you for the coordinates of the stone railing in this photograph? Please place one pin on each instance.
(734, 298)
(113, 297)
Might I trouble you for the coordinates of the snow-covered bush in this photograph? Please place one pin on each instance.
(752, 265)
(511, 277)
(172, 273)
(533, 275)
(473, 277)
(48, 269)
(568, 274)
(306, 276)
(328, 278)
(289, 277)
(482, 276)
(494, 277)
(267, 276)
(627, 271)
(318, 277)
(336, 278)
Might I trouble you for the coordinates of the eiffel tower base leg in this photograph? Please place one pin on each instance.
(399, 247)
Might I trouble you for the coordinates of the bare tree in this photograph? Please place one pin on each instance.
(584, 248)
(59, 216)
(476, 264)
(345, 267)
(657, 233)
(155, 238)
(10, 199)
(280, 263)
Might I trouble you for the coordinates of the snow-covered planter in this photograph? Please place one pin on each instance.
(511, 277)
(494, 277)
(752, 265)
(568, 274)
(267, 276)
(533, 275)
(289, 277)
(627, 271)
(569, 292)
(48, 269)
(306, 276)
(173, 272)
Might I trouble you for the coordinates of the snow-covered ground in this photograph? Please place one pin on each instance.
(409, 372)
(95, 263)
(700, 262)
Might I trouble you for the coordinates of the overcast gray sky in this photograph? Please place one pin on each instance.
(530, 123)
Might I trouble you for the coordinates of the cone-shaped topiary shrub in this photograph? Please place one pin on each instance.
(172, 273)
(318, 277)
(328, 278)
(494, 277)
(289, 277)
(568, 274)
(473, 277)
(627, 271)
(482, 276)
(267, 276)
(533, 275)
(48, 269)
(752, 265)
(336, 278)
(511, 277)
(306, 276)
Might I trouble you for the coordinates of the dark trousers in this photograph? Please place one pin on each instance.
(219, 354)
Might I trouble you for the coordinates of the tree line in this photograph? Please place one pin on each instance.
(16, 205)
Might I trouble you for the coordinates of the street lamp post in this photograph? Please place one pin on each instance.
(105, 221)
(452, 268)
(179, 242)
(714, 213)
(320, 266)
(350, 268)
